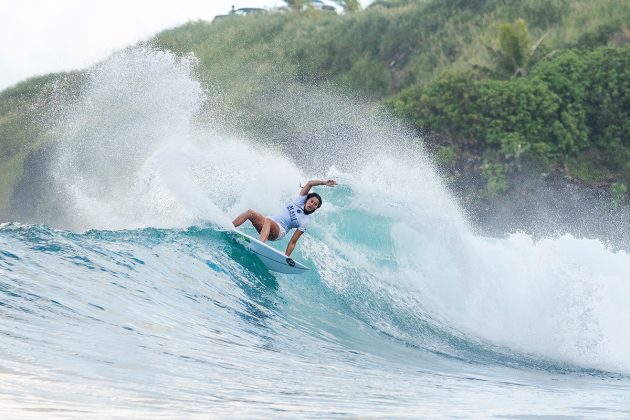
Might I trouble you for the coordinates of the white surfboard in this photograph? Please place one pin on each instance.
(273, 259)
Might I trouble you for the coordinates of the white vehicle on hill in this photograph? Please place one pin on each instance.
(325, 5)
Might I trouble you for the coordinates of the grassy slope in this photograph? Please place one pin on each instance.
(25, 112)
(410, 43)
(17, 133)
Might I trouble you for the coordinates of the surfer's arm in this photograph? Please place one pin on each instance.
(293, 241)
(314, 182)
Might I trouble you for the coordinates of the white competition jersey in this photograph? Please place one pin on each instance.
(292, 216)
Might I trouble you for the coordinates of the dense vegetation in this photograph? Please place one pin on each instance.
(496, 87)
(572, 110)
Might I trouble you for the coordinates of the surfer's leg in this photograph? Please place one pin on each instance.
(270, 230)
(256, 218)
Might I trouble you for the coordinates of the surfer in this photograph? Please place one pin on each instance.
(295, 214)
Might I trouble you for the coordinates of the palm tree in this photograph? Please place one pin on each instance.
(350, 6)
(513, 53)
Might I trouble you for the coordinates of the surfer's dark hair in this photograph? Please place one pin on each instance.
(319, 198)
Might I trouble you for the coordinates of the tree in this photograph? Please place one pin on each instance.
(513, 53)
(350, 6)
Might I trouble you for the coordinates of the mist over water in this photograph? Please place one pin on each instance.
(393, 254)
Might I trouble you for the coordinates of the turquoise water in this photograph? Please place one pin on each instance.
(137, 303)
(181, 322)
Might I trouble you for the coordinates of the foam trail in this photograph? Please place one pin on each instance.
(134, 106)
(129, 153)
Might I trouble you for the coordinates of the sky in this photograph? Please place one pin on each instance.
(43, 36)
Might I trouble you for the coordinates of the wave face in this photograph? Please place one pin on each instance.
(137, 303)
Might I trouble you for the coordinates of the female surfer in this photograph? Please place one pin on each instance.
(295, 214)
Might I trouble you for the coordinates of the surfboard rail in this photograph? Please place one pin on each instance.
(273, 259)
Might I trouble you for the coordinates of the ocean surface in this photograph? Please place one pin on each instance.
(123, 296)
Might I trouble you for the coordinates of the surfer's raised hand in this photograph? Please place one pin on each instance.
(314, 182)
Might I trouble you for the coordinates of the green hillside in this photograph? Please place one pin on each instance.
(21, 109)
(498, 88)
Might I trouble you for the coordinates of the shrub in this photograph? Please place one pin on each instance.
(617, 193)
(494, 174)
(445, 155)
